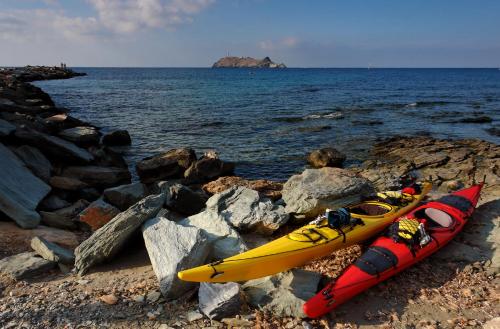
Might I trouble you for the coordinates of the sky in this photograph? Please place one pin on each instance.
(300, 33)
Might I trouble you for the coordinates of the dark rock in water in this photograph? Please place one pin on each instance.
(97, 214)
(62, 121)
(53, 202)
(52, 252)
(109, 239)
(218, 301)
(106, 157)
(124, 196)
(494, 131)
(207, 169)
(326, 157)
(25, 265)
(314, 129)
(184, 200)
(171, 164)
(367, 122)
(99, 176)
(6, 128)
(478, 119)
(64, 218)
(247, 62)
(20, 190)
(267, 188)
(81, 135)
(35, 161)
(117, 138)
(173, 248)
(67, 183)
(55, 146)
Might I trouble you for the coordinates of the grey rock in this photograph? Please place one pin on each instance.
(459, 252)
(218, 301)
(326, 157)
(81, 135)
(67, 183)
(117, 138)
(307, 195)
(25, 265)
(35, 161)
(53, 202)
(55, 146)
(184, 200)
(20, 190)
(6, 128)
(172, 248)
(193, 316)
(428, 159)
(283, 294)
(171, 164)
(99, 176)
(224, 239)
(245, 210)
(51, 251)
(109, 239)
(64, 218)
(124, 196)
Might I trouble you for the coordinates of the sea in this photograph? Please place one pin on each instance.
(267, 120)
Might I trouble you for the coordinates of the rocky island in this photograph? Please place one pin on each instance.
(247, 62)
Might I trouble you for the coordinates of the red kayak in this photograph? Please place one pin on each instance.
(409, 239)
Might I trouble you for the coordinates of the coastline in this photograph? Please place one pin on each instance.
(85, 168)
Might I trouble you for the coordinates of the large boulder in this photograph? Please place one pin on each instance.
(265, 187)
(218, 301)
(124, 196)
(81, 135)
(35, 161)
(25, 265)
(117, 138)
(6, 128)
(98, 214)
(283, 294)
(64, 218)
(326, 157)
(20, 190)
(67, 183)
(55, 146)
(246, 211)
(53, 202)
(51, 251)
(99, 176)
(307, 195)
(109, 239)
(172, 248)
(184, 200)
(171, 164)
(207, 169)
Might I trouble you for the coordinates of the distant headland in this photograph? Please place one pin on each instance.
(233, 61)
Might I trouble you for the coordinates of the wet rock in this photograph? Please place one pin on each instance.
(52, 252)
(218, 301)
(307, 195)
(25, 265)
(106, 157)
(266, 188)
(99, 176)
(64, 218)
(326, 157)
(171, 164)
(81, 135)
(224, 239)
(35, 161)
(6, 128)
(98, 214)
(55, 146)
(21, 238)
(493, 131)
(53, 202)
(187, 247)
(20, 190)
(184, 200)
(62, 121)
(246, 211)
(109, 239)
(283, 294)
(117, 138)
(66, 183)
(207, 169)
(477, 119)
(124, 196)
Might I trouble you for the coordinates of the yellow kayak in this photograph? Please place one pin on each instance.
(305, 244)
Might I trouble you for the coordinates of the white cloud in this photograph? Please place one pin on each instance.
(288, 42)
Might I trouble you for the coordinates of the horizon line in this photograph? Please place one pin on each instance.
(273, 69)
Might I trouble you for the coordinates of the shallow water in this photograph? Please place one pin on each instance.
(267, 120)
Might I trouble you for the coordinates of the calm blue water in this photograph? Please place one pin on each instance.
(267, 120)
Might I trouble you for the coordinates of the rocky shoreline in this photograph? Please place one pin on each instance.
(81, 245)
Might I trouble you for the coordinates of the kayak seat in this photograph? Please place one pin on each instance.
(368, 209)
(376, 260)
(439, 217)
